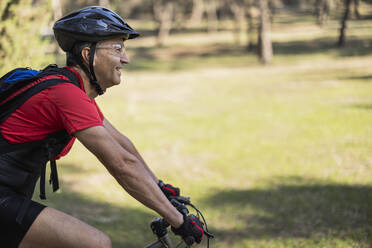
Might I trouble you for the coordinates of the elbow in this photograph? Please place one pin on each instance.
(129, 174)
(126, 167)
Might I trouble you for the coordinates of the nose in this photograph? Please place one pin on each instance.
(124, 58)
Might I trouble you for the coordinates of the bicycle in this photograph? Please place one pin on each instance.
(159, 226)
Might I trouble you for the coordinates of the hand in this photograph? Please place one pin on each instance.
(168, 190)
(191, 230)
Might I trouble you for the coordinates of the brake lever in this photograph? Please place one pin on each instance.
(180, 207)
(181, 199)
(209, 235)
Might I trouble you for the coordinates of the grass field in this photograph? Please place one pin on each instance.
(276, 156)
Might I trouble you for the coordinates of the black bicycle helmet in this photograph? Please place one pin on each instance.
(91, 24)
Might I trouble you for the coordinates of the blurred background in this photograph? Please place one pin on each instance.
(259, 110)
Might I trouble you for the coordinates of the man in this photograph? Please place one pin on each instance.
(48, 121)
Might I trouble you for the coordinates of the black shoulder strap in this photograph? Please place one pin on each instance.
(54, 70)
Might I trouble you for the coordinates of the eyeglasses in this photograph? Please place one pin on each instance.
(119, 49)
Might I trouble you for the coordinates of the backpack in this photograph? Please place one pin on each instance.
(16, 87)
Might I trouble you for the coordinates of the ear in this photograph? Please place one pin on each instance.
(85, 55)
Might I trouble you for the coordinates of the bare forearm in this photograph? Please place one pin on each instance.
(129, 171)
(139, 184)
(129, 146)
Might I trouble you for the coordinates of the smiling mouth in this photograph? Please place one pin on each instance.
(118, 69)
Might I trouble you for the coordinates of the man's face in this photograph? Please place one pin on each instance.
(108, 61)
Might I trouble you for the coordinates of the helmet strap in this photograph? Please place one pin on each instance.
(91, 75)
(91, 60)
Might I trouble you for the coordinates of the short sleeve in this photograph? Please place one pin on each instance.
(99, 111)
(74, 108)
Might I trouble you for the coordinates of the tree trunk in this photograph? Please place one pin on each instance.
(356, 9)
(212, 16)
(250, 33)
(5, 8)
(341, 40)
(57, 9)
(163, 14)
(265, 45)
(323, 8)
(197, 12)
(239, 22)
(104, 3)
(272, 8)
(252, 15)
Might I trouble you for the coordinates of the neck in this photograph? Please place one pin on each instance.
(89, 89)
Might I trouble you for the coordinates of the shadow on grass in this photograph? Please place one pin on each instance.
(353, 47)
(298, 208)
(367, 78)
(170, 58)
(365, 106)
(174, 58)
(127, 227)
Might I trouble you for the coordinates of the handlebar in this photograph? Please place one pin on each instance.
(159, 225)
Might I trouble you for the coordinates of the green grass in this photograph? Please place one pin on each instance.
(276, 156)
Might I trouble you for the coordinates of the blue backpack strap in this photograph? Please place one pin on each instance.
(15, 79)
(20, 74)
(8, 74)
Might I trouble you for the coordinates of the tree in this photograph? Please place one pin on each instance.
(104, 3)
(239, 12)
(57, 9)
(356, 9)
(21, 42)
(197, 12)
(252, 15)
(73, 5)
(245, 14)
(265, 45)
(273, 5)
(212, 15)
(132, 8)
(163, 11)
(323, 8)
(345, 17)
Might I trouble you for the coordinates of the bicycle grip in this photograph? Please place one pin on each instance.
(189, 240)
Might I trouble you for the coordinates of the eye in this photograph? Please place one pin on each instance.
(118, 48)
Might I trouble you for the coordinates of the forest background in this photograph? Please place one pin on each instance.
(259, 110)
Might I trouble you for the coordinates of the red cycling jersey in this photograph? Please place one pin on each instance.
(63, 106)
